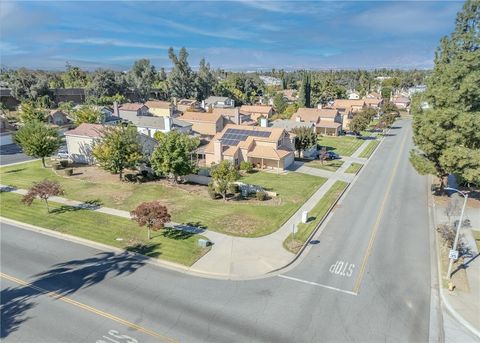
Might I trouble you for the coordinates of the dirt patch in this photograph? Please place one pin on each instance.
(93, 173)
(238, 225)
(293, 245)
(459, 278)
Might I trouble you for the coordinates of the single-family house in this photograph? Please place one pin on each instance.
(401, 102)
(373, 103)
(327, 121)
(148, 125)
(160, 108)
(290, 95)
(348, 108)
(373, 95)
(80, 142)
(217, 102)
(204, 123)
(58, 117)
(289, 125)
(353, 95)
(129, 111)
(188, 105)
(265, 147)
(257, 111)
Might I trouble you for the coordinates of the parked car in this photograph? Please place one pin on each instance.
(62, 153)
(332, 156)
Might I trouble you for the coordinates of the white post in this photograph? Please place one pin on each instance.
(455, 242)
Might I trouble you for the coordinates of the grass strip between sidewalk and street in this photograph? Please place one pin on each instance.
(316, 215)
(354, 168)
(171, 245)
(368, 151)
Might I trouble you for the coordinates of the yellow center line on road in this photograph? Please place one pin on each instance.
(361, 273)
(89, 309)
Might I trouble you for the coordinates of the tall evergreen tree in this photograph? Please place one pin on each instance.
(181, 79)
(205, 81)
(141, 77)
(305, 90)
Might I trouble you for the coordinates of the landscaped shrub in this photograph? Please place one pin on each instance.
(64, 163)
(246, 166)
(68, 171)
(56, 166)
(211, 191)
(233, 188)
(261, 195)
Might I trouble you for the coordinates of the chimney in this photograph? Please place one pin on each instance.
(237, 116)
(263, 122)
(217, 150)
(115, 109)
(167, 124)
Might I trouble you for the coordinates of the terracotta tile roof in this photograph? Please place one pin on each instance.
(200, 117)
(261, 151)
(347, 103)
(373, 101)
(87, 130)
(314, 114)
(187, 102)
(256, 109)
(131, 106)
(328, 124)
(158, 104)
(401, 99)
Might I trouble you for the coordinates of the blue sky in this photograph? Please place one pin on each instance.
(241, 35)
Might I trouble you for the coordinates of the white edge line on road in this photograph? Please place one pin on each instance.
(317, 284)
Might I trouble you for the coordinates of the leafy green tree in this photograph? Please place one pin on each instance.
(305, 137)
(359, 123)
(223, 175)
(305, 91)
(162, 75)
(103, 83)
(119, 149)
(38, 140)
(279, 103)
(28, 85)
(142, 77)
(181, 79)
(74, 77)
(87, 114)
(386, 92)
(326, 90)
(173, 156)
(66, 106)
(30, 112)
(204, 81)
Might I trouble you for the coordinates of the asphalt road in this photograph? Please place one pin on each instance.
(12, 153)
(381, 291)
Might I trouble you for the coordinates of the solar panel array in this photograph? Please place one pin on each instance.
(234, 136)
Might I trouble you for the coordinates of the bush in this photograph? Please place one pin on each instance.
(56, 166)
(211, 191)
(68, 171)
(64, 163)
(130, 177)
(261, 196)
(233, 188)
(246, 166)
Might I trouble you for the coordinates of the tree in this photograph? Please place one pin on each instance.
(28, 85)
(361, 120)
(181, 79)
(386, 92)
(74, 77)
(326, 90)
(162, 75)
(43, 190)
(30, 112)
(66, 107)
(141, 77)
(204, 81)
(119, 149)
(223, 175)
(305, 89)
(152, 214)
(103, 83)
(173, 155)
(87, 114)
(279, 103)
(305, 137)
(38, 140)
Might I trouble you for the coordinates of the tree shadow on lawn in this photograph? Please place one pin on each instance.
(87, 205)
(177, 234)
(64, 279)
(14, 170)
(148, 249)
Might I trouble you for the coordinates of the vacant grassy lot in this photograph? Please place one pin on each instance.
(354, 168)
(173, 245)
(186, 203)
(343, 145)
(369, 149)
(317, 214)
(331, 165)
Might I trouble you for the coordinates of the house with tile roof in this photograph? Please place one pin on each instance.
(348, 108)
(80, 142)
(325, 120)
(128, 111)
(217, 102)
(265, 147)
(160, 108)
(204, 123)
(257, 111)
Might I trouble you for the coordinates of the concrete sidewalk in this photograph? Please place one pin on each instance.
(464, 305)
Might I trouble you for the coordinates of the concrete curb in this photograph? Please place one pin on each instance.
(458, 317)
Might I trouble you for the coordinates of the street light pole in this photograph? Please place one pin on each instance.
(455, 242)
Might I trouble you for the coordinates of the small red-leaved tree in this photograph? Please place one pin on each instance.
(152, 214)
(43, 190)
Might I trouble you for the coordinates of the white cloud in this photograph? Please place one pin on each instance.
(114, 42)
(9, 49)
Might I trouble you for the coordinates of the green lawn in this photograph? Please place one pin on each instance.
(173, 245)
(354, 168)
(317, 214)
(369, 149)
(331, 165)
(343, 145)
(241, 218)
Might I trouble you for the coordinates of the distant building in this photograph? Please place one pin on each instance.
(129, 111)
(217, 102)
(160, 108)
(353, 95)
(326, 121)
(270, 80)
(257, 111)
(401, 102)
(204, 123)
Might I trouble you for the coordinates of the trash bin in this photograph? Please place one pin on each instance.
(203, 243)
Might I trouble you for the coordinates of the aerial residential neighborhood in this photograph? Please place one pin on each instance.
(239, 171)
